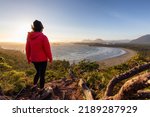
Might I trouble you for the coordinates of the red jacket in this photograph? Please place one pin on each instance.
(38, 47)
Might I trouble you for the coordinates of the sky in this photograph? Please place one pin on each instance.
(75, 20)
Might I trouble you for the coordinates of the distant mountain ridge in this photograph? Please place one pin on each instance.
(142, 40)
(93, 41)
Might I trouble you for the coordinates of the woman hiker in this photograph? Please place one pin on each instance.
(38, 51)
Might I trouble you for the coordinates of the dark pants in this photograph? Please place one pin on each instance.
(40, 73)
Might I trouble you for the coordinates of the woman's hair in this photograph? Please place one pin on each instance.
(37, 26)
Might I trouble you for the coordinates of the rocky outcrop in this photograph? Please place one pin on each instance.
(63, 89)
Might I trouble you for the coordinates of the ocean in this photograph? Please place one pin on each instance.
(75, 52)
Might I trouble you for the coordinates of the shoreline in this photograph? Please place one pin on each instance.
(118, 59)
(109, 62)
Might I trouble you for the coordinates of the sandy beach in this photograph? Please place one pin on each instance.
(119, 59)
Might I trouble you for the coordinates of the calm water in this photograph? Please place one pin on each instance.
(75, 52)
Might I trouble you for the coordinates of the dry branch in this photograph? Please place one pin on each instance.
(124, 76)
(87, 92)
(142, 94)
(131, 87)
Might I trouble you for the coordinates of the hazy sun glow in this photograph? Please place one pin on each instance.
(75, 20)
(22, 31)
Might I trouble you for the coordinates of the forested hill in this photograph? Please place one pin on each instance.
(14, 58)
(145, 39)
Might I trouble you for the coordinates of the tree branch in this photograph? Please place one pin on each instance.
(131, 87)
(124, 76)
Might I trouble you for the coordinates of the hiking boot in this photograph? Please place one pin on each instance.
(41, 91)
(34, 88)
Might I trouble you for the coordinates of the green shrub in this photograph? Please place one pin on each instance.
(54, 75)
(59, 65)
(12, 82)
(5, 67)
(84, 66)
(2, 60)
(30, 72)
